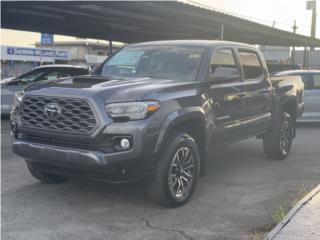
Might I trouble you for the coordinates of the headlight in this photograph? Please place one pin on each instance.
(132, 110)
(18, 96)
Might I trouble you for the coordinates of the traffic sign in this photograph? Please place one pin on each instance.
(46, 39)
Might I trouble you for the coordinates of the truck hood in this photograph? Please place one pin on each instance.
(111, 89)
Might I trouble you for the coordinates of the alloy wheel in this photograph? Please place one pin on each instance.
(181, 173)
(285, 137)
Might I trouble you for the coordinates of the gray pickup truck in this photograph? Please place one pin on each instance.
(151, 111)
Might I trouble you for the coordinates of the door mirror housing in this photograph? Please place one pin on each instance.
(224, 74)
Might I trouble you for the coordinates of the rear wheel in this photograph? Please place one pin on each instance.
(277, 142)
(177, 172)
(45, 177)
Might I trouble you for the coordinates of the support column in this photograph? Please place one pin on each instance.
(110, 47)
(222, 32)
(293, 55)
(305, 57)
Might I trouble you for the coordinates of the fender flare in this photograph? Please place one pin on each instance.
(280, 104)
(174, 119)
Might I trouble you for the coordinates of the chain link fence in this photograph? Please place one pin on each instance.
(309, 59)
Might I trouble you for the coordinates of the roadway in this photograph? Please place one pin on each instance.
(233, 201)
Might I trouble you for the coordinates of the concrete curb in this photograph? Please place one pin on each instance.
(292, 213)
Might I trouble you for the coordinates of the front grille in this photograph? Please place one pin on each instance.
(76, 114)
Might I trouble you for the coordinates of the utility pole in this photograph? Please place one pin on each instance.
(312, 5)
(293, 53)
(314, 21)
(295, 27)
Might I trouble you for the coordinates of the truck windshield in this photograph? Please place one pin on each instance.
(164, 62)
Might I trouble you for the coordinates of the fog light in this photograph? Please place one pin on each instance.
(125, 143)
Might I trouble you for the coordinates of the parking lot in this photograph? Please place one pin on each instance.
(233, 201)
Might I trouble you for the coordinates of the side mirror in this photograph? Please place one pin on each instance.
(224, 74)
(93, 68)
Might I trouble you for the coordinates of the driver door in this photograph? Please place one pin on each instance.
(226, 90)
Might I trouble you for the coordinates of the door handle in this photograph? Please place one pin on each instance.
(241, 94)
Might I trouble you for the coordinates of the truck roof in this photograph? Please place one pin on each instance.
(204, 43)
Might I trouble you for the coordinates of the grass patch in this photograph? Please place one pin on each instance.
(261, 233)
(257, 236)
(279, 213)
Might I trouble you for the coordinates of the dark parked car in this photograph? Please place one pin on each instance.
(10, 86)
(153, 110)
(311, 79)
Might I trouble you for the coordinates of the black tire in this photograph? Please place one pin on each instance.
(45, 177)
(180, 154)
(277, 142)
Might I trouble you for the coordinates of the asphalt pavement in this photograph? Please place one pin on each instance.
(233, 201)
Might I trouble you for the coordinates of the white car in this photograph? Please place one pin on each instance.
(311, 79)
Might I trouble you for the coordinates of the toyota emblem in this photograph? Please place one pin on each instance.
(52, 111)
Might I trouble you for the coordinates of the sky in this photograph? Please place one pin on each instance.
(283, 12)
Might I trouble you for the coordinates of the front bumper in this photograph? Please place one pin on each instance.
(111, 166)
(79, 163)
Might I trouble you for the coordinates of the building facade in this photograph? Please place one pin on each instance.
(84, 52)
(17, 60)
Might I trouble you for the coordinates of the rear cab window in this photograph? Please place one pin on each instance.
(251, 64)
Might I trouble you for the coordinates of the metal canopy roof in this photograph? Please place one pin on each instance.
(140, 21)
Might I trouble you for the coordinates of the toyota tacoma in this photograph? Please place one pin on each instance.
(152, 111)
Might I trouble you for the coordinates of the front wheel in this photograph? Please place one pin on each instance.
(277, 142)
(177, 172)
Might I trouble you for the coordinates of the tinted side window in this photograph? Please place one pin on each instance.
(63, 75)
(49, 76)
(251, 64)
(307, 80)
(223, 66)
(78, 72)
(316, 81)
(32, 76)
